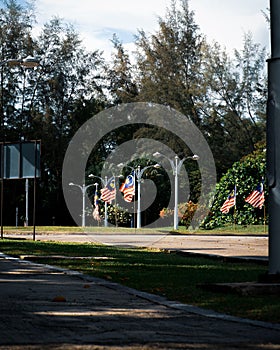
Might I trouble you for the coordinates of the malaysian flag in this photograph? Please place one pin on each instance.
(108, 193)
(256, 198)
(128, 188)
(95, 213)
(230, 202)
(96, 199)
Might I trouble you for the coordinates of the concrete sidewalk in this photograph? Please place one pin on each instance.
(48, 308)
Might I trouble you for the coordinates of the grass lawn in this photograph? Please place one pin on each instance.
(171, 275)
(230, 229)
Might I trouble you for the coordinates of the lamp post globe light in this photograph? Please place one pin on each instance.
(83, 188)
(104, 183)
(176, 166)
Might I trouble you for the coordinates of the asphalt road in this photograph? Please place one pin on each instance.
(252, 246)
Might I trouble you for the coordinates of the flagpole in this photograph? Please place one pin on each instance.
(264, 212)
(95, 212)
(98, 222)
(234, 211)
(134, 203)
(104, 183)
(264, 219)
(116, 217)
(234, 219)
(262, 188)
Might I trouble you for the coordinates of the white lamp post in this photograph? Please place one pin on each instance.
(104, 183)
(83, 188)
(176, 167)
(138, 172)
(133, 169)
(96, 186)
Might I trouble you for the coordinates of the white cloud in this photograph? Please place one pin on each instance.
(224, 21)
(97, 21)
(109, 13)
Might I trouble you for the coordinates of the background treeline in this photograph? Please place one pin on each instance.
(175, 66)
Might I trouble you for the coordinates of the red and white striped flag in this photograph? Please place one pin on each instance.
(128, 188)
(108, 193)
(256, 198)
(229, 202)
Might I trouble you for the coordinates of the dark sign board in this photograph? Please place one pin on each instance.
(20, 160)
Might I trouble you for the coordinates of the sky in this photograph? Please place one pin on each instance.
(223, 21)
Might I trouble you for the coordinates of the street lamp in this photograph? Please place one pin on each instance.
(96, 186)
(138, 172)
(83, 188)
(104, 183)
(176, 167)
(28, 62)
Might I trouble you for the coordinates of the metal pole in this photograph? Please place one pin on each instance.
(2, 188)
(84, 204)
(26, 202)
(106, 215)
(106, 207)
(138, 174)
(16, 217)
(34, 192)
(176, 194)
(83, 189)
(2, 199)
(2, 151)
(116, 216)
(273, 140)
(104, 183)
(134, 199)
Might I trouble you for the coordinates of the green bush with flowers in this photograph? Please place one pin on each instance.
(246, 175)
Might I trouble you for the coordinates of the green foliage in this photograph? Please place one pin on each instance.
(224, 96)
(174, 66)
(235, 112)
(186, 212)
(117, 215)
(48, 102)
(169, 62)
(246, 175)
(122, 84)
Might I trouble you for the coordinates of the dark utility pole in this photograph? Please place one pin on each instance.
(273, 140)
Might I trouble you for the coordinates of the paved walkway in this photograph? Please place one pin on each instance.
(42, 305)
(48, 308)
